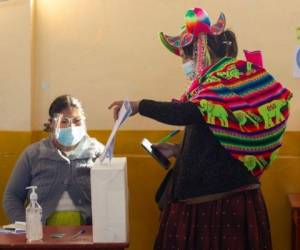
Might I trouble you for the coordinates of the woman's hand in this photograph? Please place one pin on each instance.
(116, 105)
(167, 149)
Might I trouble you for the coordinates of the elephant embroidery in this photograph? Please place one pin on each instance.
(243, 117)
(250, 161)
(274, 155)
(232, 72)
(272, 110)
(211, 78)
(214, 111)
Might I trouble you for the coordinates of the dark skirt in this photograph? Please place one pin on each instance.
(237, 222)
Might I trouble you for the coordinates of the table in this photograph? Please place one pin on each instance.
(83, 241)
(294, 200)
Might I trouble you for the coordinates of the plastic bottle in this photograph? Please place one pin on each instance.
(34, 227)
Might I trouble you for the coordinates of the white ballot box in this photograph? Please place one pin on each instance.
(110, 201)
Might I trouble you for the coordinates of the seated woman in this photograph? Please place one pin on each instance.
(59, 166)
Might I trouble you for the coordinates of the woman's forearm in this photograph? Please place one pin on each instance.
(172, 113)
(15, 193)
(13, 207)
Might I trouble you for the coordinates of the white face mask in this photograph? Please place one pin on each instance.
(189, 69)
(70, 136)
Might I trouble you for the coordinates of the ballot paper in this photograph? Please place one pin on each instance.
(123, 115)
(15, 228)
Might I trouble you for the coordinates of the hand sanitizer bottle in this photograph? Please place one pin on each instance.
(34, 227)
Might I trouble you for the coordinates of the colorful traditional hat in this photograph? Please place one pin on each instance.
(196, 21)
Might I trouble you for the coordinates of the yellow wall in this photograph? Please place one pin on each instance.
(15, 61)
(11, 145)
(144, 175)
(282, 178)
(104, 50)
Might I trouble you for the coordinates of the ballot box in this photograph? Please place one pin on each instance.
(109, 192)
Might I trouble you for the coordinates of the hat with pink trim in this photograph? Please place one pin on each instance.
(196, 21)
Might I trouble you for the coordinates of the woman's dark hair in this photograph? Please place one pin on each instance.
(61, 103)
(188, 50)
(221, 45)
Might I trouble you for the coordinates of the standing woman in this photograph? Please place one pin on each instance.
(60, 168)
(235, 114)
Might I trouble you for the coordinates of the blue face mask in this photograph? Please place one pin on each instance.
(70, 136)
(189, 69)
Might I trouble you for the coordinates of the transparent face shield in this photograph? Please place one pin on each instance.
(64, 121)
(68, 130)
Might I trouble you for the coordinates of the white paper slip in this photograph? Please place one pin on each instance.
(123, 115)
(17, 227)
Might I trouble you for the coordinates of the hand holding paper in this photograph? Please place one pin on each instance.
(122, 110)
(117, 105)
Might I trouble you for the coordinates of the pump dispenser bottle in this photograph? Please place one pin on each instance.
(34, 227)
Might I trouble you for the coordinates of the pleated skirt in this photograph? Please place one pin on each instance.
(237, 222)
